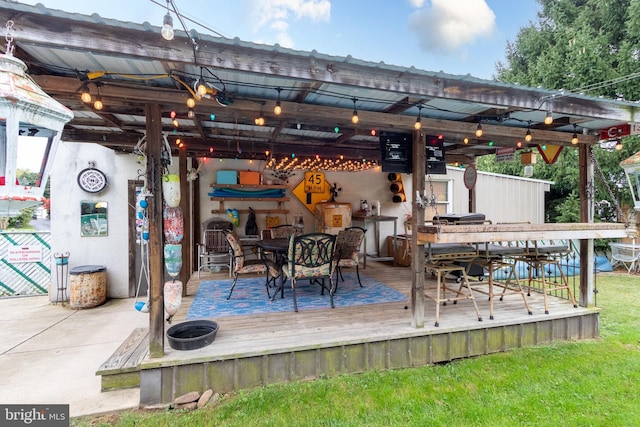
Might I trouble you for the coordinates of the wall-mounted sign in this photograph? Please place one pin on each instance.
(314, 182)
(309, 200)
(470, 176)
(17, 254)
(505, 154)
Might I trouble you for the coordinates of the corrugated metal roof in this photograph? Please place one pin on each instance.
(317, 90)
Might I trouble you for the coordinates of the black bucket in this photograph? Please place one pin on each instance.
(192, 334)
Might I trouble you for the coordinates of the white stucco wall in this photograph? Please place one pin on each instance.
(110, 251)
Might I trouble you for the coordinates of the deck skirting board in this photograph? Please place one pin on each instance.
(161, 384)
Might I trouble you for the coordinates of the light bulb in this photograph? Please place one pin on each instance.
(548, 119)
(277, 110)
(574, 138)
(418, 124)
(85, 96)
(479, 131)
(98, 105)
(202, 88)
(528, 137)
(191, 114)
(354, 118)
(618, 145)
(167, 27)
(191, 102)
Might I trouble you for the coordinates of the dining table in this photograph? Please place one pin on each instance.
(279, 247)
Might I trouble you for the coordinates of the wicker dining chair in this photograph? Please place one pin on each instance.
(310, 257)
(241, 265)
(347, 251)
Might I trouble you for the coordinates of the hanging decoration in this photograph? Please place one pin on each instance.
(92, 180)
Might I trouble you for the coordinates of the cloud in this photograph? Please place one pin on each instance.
(449, 26)
(276, 15)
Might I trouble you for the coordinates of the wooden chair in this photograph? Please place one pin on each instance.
(347, 251)
(310, 257)
(241, 265)
(213, 251)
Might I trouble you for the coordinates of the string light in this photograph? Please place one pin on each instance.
(191, 102)
(167, 25)
(98, 105)
(85, 95)
(201, 86)
(574, 138)
(317, 163)
(354, 118)
(548, 118)
(479, 131)
(527, 136)
(418, 124)
(277, 110)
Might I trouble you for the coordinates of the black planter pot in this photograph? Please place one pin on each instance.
(192, 334)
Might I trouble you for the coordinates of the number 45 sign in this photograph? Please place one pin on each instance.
(314, 182)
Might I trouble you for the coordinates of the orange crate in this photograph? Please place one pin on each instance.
(249, 178)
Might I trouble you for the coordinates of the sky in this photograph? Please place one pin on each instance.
(454, 36)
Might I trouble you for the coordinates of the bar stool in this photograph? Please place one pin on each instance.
(541, 258)
(441, 259)
(495, 257)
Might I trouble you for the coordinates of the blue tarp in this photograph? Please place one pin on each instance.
(570, 268)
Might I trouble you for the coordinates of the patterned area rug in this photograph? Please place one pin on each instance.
(250, 296)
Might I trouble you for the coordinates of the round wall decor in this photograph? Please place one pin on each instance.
(92, 180)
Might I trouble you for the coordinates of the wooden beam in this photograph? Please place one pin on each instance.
(296, 113)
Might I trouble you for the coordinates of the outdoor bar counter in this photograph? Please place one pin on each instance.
(468, 233)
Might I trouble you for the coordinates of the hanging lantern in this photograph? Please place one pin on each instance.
(631, 168)
(31, 124)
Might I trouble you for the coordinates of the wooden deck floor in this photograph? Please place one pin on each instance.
(257, 350)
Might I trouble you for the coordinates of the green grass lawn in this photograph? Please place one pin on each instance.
(585, 383)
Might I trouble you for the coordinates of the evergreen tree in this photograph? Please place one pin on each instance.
(583, 46)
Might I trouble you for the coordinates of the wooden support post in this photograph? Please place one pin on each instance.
(187, 252)
(153, 114)
(586, 188)
(417, 218)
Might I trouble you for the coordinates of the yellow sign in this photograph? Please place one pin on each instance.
(314, 182)
(311, 199)
(550, 153)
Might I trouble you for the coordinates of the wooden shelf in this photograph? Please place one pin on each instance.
(258, 211)
(256, 187)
